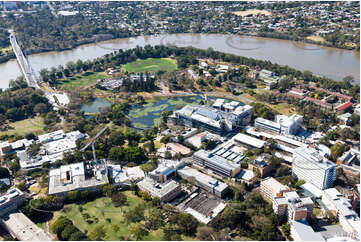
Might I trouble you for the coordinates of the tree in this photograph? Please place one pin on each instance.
(187, 224)
(171, 234)
(206, 233)
(138, 231)
(97, 233)
(59, 225)
(41, 108)
(119, 199)
(337, 150)
(155, 218)
(14, 167)
(4, 172)
(299, 183)
(22, 186)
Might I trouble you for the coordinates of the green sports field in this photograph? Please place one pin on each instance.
(151, 65)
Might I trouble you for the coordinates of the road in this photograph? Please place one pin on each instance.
(29, 73)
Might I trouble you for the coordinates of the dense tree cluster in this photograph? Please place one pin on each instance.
(65, 230)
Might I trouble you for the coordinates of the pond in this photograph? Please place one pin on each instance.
(93, 107)
(147, 115)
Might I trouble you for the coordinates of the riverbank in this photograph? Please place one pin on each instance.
(323, 61)
(6, 58)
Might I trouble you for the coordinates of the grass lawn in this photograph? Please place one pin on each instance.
(82, 80)
(284, 108)
(103, 209)
(151, 65)
(26, 126)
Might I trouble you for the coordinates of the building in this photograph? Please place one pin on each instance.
(54, 145)
(78, 176)
(293, 206)
(267, 125)
(310, 165)
(211, 119)
(216, 163)
(302, 231)
(165, 170)
(344, 107)
(11, 200)
(173, 149)
(247, 176)
(298, 93)
(164, 191)
(271, 188)
(343, 118)
(289, 125)
(203, 181)
(249, 141)
(260, 166)
(22, 228)
(125, 175)
(15, 222)
(347, 217)
(7, 148)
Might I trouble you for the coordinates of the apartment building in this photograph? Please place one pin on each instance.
(271, 188)
(310, 164)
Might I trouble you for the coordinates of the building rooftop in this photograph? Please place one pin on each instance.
(203, 178)
(9, 196)
(125, 174)
(24, 228)
(215, 159)
(274, 184)
(243, 138)
(72, 177)
(313, 155)
(305, 231)
(158, 189)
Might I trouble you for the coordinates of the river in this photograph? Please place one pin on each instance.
(330, 62)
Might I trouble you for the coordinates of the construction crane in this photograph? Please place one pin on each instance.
(93, 141)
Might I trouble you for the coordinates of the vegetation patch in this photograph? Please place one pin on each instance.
(151, 65)
(30, 125)
(82, 80)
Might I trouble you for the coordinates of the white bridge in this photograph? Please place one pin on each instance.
(31, 77)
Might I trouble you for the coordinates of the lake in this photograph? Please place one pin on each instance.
(325, 61)
(93, 107)
(147, 115)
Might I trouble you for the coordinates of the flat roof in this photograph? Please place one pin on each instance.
(157, 189)
(58, 182)
(215, 159)
(267, 122)
(274, 184)
(305, 231)
(24, 228)
(243, 138)
(203, 178)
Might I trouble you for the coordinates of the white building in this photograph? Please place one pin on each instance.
(310, 165)
(164, 191)
(78, 176)
(348, 218)
(54, 145)
(289, 125)
(302, 231)
(271, 188)
(267, 125)
(204, 181)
